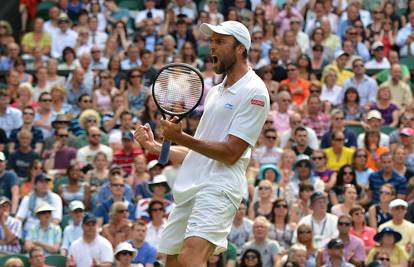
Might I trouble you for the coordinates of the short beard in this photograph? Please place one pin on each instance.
(226, 64)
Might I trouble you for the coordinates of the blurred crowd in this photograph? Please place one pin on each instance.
(330, 181)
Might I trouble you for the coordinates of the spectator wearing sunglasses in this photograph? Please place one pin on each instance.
(335, 252)
(61, 155)
(360, 229)
(124, 254)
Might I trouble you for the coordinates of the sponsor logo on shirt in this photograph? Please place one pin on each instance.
(257, 102)
(228, 106)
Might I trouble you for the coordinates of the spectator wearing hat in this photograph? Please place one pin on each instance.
(9, 184)
(20, 160)
(401, 93)
(63, 37)
(73, 230)
(386, 175)
(10, 118)
(10, 229)
(60, 156)
(159, 189)
(124, 254)
(41, 193)
(353, 249)
(374, 121)
(117, 188)
(324, 224)
(379, 61)
(271, 173)
(398, 209)
(268, 248)
(336, 254)
(105, 192)
(45, 234)
(142, 189)
(125, 156)
(61, 122)
(37, 140)
(147, 254)
(90, 249)
(387, 239)
(341, 58)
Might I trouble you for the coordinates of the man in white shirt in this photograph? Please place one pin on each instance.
(63, 37)
(96, 37)
(87, 153)
(74, 230)
(209, 187)
(150, 12)
(379, 61)
(91, 249)
(324, 225)
(51, 26)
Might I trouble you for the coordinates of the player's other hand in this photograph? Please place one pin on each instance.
(171, 129)
(144, 136)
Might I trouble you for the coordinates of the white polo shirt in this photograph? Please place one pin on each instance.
(239, 110)
(84, 253)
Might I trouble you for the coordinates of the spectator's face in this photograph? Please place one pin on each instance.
(25, 140)
(90, 229)
(386, 163)
(2, 166)
(85, 61)
(42, 187)
(85, 103)
(63, 25)
(155, 171)
(336, 252)
(117, 186)
(78, 75)
(292, 72)
(388, 239)
(379, 53)
(159, 189)
(398, 213)
(300, 257)
(126, 121)
(5, 208)
(304, 234)
(38, 25)
(149, 4)
(13, 78)
(319, 205)
(28, 116)
(4, 101)
(133, 53)
(44, 216)
(147, 59)
(314, 105)
(260, 229)
(53, 13)
(344, 225)
(45, 102)
(157, 211)
(96, 53)
(396, 72)
(41, 74)
(265, 189)
(37, 259)
(93, 24)
(117, 102)
(94, 136)
(139, 232)
(358, 67)
(393, 57)
(301, 138)
(77, 215)
(342, 60)
(386, 194)
(270, 138)
(241, 212)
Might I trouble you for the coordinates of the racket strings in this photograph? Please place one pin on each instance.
(178, 90)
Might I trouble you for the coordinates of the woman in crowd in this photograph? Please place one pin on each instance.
(251, 258)
(326, 175)
(101, 98)
(263, 206)
(24, 97)
(114, 68)
(380, 213)
(255, 58)
(350, 198)
(318, 61)
(35, 168)
(359, 165)
(160, 58)
(331, 91)
(398, 159)
(338, 154)
(120, 32)
(286, 163)
(135, 94)
(112, 49)
(387, 240)
(74, 189)
(124, 254)
(305, 68)
(265, 73)
(99, 174)
(388, 110)
(156, 211)
(118, 228)
(301, 207)
(351, 107)
(346, 175)
(69, 59)
(59, 106)
(305, 237)
(374, 150)
(360, 229)
(271, 173)
(52, 73)
(139, 174)
(189, 55)
(20, 67)
(337, 124)
(281, 229)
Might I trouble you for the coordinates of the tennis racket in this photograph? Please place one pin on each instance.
(177, 91)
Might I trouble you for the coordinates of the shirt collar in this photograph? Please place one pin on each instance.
(234, 88)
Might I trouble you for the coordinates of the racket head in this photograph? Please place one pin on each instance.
(177, 89)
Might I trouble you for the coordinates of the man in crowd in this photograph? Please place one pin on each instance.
(147, 254)
(9, 184)
(10, 229)
(10, 118)
(87, 153)
(73, 231)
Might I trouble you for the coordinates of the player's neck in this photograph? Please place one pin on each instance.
(236, 73)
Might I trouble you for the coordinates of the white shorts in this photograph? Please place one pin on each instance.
(208, 215)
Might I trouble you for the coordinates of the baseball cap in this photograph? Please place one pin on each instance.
(44, 207)
(407, 131)
(42, 177)
(127, 135)
(340, 53)
(89, 217)
(233, 28)
(377, 45)
(75, 205)
(335, 243)
(397, 203)
(2, 156)
(4, 199)
(317, 195)
(374, 114)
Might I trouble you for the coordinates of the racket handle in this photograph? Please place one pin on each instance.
(165, 152)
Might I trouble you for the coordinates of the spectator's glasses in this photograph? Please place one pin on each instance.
(87, 101)
(305, 232)
(339, 118)
(44, 212)
(157, 209)
(264, 188)
(91, 120)
(358, 66)
(278, 206)
(118, 185)
(268, 121)
(126, 253)
(63, 135)
(344, 224)
(384, 259)
(116, 173)
(95, 135)
(361, 156)
(136, 76)
(271, 137)
(339, 139)
(382, 192)
(317, 91)
(318, 158)
(28, 113)
(105, 77)
(250, 257)
(46, 100)
(352, 33)
(290, 70)
(122, 211)
(77, 211)
(95, 51)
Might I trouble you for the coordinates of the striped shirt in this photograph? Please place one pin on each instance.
(15, 226)
(51, 236)
(126, 160)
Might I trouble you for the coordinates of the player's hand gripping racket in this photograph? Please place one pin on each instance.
(177, 91)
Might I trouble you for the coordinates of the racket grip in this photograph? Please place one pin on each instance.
(165, 152)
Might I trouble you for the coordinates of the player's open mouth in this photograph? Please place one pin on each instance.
(215, 59)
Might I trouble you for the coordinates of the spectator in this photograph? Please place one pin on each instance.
(41, 194)
(75, 88)
(105, 191)
(350, 197)
(386, 175)
(9, 184)
(268, 248)
(341, 58)
(87, 119)
(63, 37)
(388, 110)
(124, 254)
(401, 94)
(37, 257)
(136, 93)
(300, 208)
(87, 153)
(125, 156)
(156, 211)
(132, 58)
(371, 144)
(283, 113)
(91, 248)
(73, 231)
(324, 224)
(316, 118)
(359, 164)
(10, 118)
(10, 229)
(330, 90)
(287, 138)
(263, 205)
(268, 152)
(99, 62)
(251, 258)
(118, 228)
(305, 237)
(37, 38)
(360, 229)
(380, 213)
(148, 70)
(147, 254)
(13, 262)
(298, 86)
(336, 254)
(301, 146)
(46, 234)
(337, 124)
(45, 115)
(149, 13)
(405, 37)
(96, 35)
(281, 229)
(379, 61)
(338, 155)
(241, 229)
(20, 160)
(374, 122)
(384, 75)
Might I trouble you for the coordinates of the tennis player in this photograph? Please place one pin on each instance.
(208, 189)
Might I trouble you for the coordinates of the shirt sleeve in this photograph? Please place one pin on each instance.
(250, 119)
(107, 252)
(360, 251)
